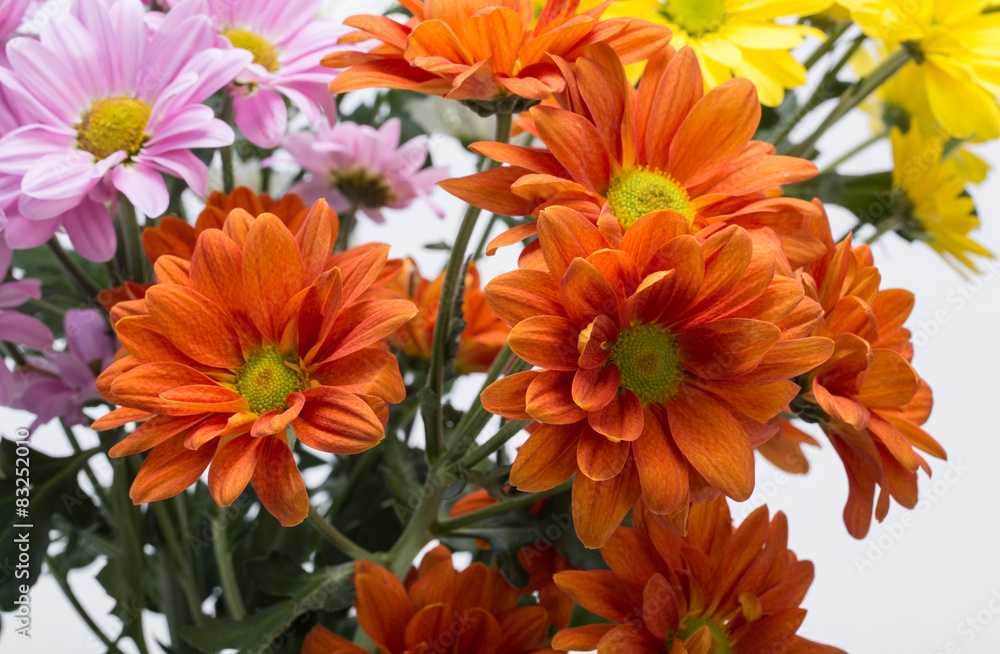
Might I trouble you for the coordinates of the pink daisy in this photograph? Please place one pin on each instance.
(287, 42)
(356, 167)
(60, 384)
(115, 100)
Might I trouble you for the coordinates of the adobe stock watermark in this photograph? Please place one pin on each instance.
(974, 624)
(959, 297)
(891, 533)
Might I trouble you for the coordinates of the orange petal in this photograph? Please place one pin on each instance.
(194, 325)
(594, 388)
(546, 459)
(727, 348)
(667, 104)
(580, 639)
(546, 341)
(336, 421)
(361, 324)
(563, 132)
(382, 605)
(434, 38)
(663, 473)
(119, 418)
(600, 506)
(369, 371)
(521, 294)
(844, 409)
(600, 458)
(217, 271)
(565, 234)
(272, 272)
(620, 419)
(141, 387)
(495, 32)
(891, 382)
(232, 467)
(168, 470)
(595, 342)
(278, 483)
(712, 441)
(586, 294)
(316, 236)
(507, 396)
(549, 399)
(276, 421)
(151, 433)
(601, 592)
(321, 640)
(491, 190)
(205, 398)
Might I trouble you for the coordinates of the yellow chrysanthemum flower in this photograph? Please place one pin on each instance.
(734, 38)
(955, 48)
(931, 204)
(902, 101)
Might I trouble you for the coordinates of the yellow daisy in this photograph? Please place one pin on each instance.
(955, 48)
(931, 204)
(735, 38)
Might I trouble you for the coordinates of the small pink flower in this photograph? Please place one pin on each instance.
(115, 99)
(358, 167)
(60, 384)
(287, 42)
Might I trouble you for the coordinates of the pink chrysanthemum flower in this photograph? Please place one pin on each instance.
(11, 15)
(287, 42)
(115, 99)
(60, 384)
(15, 326)
(358, 168)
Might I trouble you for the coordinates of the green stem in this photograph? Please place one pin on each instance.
(856, 150)
(504, 434)
(134, 257)
(14, 353)
(338, 539)
(484, 241)
(434, 418)
(346, 227)
(446, 525)
(224, 562)
(72, 269)
(858, 92)
(416, 534)
(819, 95)
(44, 305)
(827, 46)
(186, 580)
(883, 228)
(228, 177)
(63, 582)
(98, 488)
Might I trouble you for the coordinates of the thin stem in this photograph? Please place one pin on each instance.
(98, 489)
(173, 546)
(346, 227)
(15, 353)
(884, 228)
(71, 596)
(224, 562)
(819, 95)
(228, 177)
(446, 525)
(853, 152)
(338, 539)
(134, 257)
(44, 305)
(858, 92)
(484, 241)
(434, 418)
(826, 46)
(72, 269)
(504, 434)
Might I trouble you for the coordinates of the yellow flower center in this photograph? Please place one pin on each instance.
(691, 624)
(641, 190)
(112, 125)
(363, 187)
(649, 361)
(262, 51)
(266, 379)
(696, 17)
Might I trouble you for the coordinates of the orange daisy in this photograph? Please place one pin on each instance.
(438, 609)
(666, 146)
(661, 363)
(255, 334)
(540, 560)
(718, 589)
(484, 334)
(491, 54)
(867, 398)
(177, 237)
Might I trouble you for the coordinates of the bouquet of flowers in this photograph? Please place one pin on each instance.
(309, 446)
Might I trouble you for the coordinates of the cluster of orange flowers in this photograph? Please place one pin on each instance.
(678, 310)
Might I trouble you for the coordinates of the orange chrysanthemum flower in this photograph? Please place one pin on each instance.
(473, 611)
(484, 334)
(661, 363)
(260, 331)
(177, 237)
(540, 560)
(490, 53)
(616, 154)
(127, 292)
(868, 398)
(716, 590)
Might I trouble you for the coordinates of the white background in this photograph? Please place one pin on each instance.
(925, 581)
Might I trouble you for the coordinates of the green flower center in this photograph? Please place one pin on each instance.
(720, 638)
(363, 187)
(640, 190)
(266, 380)
(696, 17)
(262, 51)
(649, 360)
(112, 125)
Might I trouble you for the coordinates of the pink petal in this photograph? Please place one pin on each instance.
(143, 186)
(262, 117)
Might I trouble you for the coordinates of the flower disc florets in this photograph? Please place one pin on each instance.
(262, 51)
(267, 379)
(649, 361)
(641, 190)
(112, 125)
